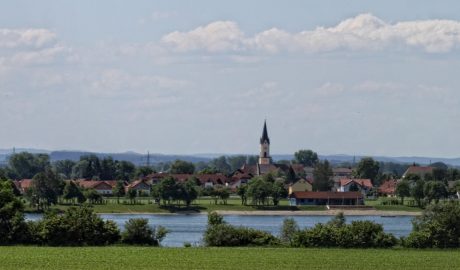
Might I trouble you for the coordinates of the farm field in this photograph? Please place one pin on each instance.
(120, 257)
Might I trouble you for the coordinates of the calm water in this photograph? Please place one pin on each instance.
(190, 228)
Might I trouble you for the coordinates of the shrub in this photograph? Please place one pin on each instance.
(76, 227)
(224, 235)
(13, 228)
(221, 234)
(138, 232)
(289, 229)
(358, 234)
(439, 226)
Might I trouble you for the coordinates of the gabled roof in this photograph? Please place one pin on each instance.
(326, 195)
(361, 182)
(137, 183)
(96, 184)
(388, 187)
(23, 184)
(418, 170)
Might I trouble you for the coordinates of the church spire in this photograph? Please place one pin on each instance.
(264, 137)
(264, 156)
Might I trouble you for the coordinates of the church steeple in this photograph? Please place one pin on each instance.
(264, 137)
(264, 156)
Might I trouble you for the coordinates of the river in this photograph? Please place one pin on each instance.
(190, 228)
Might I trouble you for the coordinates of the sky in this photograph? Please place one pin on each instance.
(187, 77)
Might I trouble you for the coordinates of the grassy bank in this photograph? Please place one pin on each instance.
(146, 205)
(223, 258)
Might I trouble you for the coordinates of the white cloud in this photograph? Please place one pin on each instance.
(116, 83)
(363, 32)
(37, 38)
(215, 37)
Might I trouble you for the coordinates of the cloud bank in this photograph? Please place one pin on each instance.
(363, 32)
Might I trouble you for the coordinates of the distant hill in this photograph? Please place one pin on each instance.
(136, 158)
(139, 159)
(409, 160)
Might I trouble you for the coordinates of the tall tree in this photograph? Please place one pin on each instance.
(367, 168)
(12, 225)
(220, 164)
(417, 192)
(64, 167)
(190, 191)
(108, 169)
(26, 165)
(124, 170)
(403, 190)
(119, 190)
(143, 171)
(88, 167)
(72, 191)
(322, 175)
(434, 190)
(180, 166)
(307, 158)
(236, 162)
(278, 192)
(47, 187)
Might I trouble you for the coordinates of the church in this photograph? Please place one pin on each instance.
(265, 163)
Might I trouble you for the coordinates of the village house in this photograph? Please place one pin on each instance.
(420, 171)
(141, 186)
(388, 188)
(300, 185)
(101, 187)
(362, 185)
(326, 198)
(23, 185)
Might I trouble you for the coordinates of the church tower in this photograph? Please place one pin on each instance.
(264, 156)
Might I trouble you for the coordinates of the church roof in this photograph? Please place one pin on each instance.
(264, 137)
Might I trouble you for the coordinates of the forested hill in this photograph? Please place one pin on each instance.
(136, 158)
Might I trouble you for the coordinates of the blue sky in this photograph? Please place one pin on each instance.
(353, 77)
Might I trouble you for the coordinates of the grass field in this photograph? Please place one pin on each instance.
(223, 258)
(146, 205)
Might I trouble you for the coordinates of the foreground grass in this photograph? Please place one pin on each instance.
(223, 258)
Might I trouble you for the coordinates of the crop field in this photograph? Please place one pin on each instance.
(120, 257)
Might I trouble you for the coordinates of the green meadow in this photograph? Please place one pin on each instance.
(121, 257)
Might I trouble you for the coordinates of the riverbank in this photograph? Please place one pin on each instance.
(122, 257)
(285, 213)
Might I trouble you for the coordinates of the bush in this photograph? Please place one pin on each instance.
(439, 226)
(76, 227)
(358, 234)
(289, 229)
(221, 234)
(138, 232)
(13, 228)
(224, 235)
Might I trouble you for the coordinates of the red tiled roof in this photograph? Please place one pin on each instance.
(96, 184)
(24, 184)
(136, 183)
(326, 195)
(362, 182)
(388, 187)
(419, 170)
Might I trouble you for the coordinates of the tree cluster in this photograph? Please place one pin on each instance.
(263, 190)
